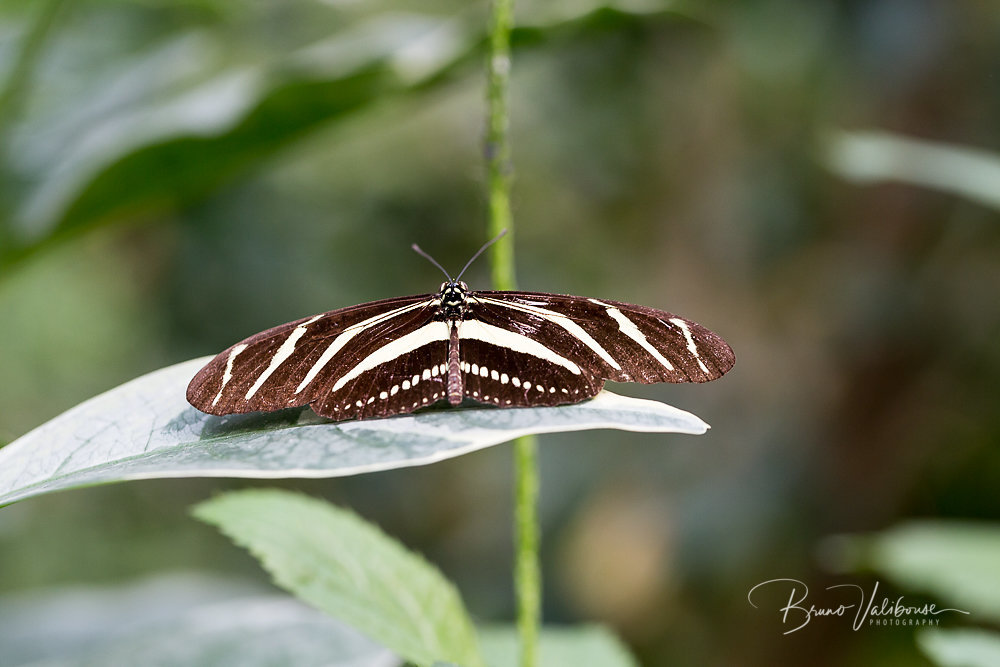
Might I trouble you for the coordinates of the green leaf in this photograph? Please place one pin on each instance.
(872, 157)
(960, 648)
(187, 620)
(348, 568)
(183, 134)
(958, 562)
(169, 140)
(559, 647)
(126, 179)
(145, 429)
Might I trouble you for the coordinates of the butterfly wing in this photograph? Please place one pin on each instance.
(564, 347)
(498, 371)
(515, 349)
(340, 362)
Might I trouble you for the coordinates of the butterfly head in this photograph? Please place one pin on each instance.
(453, 298)
(454, 292)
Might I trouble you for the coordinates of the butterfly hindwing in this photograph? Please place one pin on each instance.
(397, 370)
(499, 375)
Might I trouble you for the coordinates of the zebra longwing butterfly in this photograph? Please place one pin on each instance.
(506, 349)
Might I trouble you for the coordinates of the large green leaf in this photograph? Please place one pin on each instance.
(177, 621)
(145, 429)
(339, 563)
(558, 647)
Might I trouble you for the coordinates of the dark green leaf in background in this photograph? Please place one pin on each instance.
(110, 158)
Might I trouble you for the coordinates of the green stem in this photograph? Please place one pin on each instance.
(527, 570)
(497, 144)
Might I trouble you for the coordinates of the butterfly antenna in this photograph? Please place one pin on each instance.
(432, 260)
(480, 251)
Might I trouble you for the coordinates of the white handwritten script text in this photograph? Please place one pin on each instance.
(798, 612)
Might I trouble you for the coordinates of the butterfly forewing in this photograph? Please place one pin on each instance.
(614, 340)
(290, 364)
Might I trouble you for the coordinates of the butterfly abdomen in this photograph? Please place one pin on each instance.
(455, 389)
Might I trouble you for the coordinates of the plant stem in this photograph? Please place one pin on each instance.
(498, 146)
(527, 571)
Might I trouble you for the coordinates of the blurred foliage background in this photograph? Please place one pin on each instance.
(175, 176)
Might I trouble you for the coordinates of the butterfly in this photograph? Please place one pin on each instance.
(500, 348)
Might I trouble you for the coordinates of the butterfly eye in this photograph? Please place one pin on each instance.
(465, 288)
(443, 285)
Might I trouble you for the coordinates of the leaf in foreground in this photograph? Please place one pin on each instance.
(178, 619)
(960, 648)
(145, 429)
(558, 647)
(956, 561)
(348, 568)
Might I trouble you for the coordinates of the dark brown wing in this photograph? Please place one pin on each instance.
(605, 340)
(301, 362)
(507, 376)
